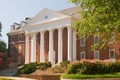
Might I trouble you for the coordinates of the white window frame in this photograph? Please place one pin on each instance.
(81, 55)
(12, 38)
(113, 37)
(19, 38)
(12, 49)
(83, 43)
(110, 54)
(97, 54)
(19, 59)
(95, 39)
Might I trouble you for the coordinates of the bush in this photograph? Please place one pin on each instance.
(74, 68)
(29, 68)
(64, 63)
(87, 67)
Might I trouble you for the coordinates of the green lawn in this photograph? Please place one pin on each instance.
(81, 76)
(1, 78)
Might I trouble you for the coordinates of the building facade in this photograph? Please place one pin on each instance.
(50, 36)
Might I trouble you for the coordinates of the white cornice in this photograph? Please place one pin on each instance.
(15, 32)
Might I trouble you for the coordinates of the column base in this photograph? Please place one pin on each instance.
(51, 57)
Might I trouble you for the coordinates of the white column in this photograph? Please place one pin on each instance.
(33, 47)
(60, 45)
(74, 45)
(42, 57)
(27, 49)
(51, 47)
(70, 44)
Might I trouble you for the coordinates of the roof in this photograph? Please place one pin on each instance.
(72, 12)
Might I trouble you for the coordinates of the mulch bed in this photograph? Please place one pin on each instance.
(43, 75)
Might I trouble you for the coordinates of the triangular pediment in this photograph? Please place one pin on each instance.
(46, 15)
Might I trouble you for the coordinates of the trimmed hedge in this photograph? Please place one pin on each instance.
(29, 68)
(87, 67)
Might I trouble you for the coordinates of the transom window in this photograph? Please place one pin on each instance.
(82, 41)
(96, 55)
(96, 39)
(82, 55)
(112, 54)
(20, 38)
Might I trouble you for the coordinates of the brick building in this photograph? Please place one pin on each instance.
(49, 36)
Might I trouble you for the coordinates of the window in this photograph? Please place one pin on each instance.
(82, 41)
(19, 49)
(111, 54)
(19, 60)
(19, 38)
(96, 39)
(12, 38)
(46, 17)
(82, 55)
(96, 55)
(12, 49)
(112, 38)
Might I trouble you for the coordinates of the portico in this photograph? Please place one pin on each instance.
(53, 22)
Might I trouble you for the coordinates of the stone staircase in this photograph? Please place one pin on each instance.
(12, 70)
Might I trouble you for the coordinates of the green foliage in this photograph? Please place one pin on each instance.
(74, 68)
(29, 68)
(44, 66)
(94, 68)
(0, 29)
(3, 47)
(64, 63)
(98, 17)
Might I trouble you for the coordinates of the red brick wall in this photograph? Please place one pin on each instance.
(15, 44)
(104, 53)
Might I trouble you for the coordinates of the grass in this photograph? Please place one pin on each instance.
(82, 76)
(1, 78)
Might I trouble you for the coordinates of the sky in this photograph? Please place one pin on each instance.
(12, 11)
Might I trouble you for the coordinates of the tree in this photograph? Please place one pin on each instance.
(0, 29)
(99, 17)
(3, 47)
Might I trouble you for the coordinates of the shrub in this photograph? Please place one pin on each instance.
(74, 68)
(87, 67)
(27, 68)
(64, 63)
(44, 66)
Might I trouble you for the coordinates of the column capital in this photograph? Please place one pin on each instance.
(69, 28)
(51, 30)
(42, 32)
(61, 28)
